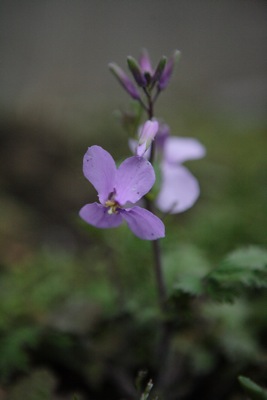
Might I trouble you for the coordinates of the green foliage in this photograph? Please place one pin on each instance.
(229, 325)
(13, 349)
(185, 266)
(49, 290)
(39, 385)
(188, 271)
(254, 391)
(241, 269)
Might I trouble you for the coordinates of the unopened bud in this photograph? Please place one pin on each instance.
(145, 63)
(168, 70)
(124, 81)
(159, 70)
(136, 71)
(146, 135)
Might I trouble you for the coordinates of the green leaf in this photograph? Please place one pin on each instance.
(243, 268)
(254, 391)
(185, 268)
(252, 257)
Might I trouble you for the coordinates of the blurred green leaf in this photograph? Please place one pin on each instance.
(231, 328)
(243, 268)
(13, 349)
(254, 391)
(184, 268)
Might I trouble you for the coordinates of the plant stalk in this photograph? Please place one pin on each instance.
(149, 205)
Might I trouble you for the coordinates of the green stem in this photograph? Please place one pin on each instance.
(150, 207)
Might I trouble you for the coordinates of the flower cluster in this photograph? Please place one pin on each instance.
(145, 76)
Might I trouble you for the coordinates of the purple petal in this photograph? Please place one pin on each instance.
(146, 136)
(97, 215)
(166, 75)
(133, 147)
(123, 79)
(181, 149)
(179, 190)
(143, 223)
(100, 169)
(135, 177)
(162, 135)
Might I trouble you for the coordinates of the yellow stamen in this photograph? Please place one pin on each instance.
(112, 207)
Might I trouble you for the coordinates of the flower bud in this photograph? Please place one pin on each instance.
(145, 63)
(124, 81)
(159, 70)
(136, 71)
(166, 75)
(147, 134)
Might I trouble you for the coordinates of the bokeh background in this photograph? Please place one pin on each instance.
(60, 281)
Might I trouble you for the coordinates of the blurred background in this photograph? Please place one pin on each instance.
(62, 283)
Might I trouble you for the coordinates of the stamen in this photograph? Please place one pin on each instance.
(113, 205)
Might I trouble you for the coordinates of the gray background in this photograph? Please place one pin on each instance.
(54, 55)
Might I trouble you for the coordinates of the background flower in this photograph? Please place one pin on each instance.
(179, 189)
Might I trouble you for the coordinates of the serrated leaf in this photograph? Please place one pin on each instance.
(252, 257)
(242, 268)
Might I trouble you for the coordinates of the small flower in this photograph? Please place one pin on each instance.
(118, 187)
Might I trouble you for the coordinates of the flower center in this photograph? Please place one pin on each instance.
(112, 206)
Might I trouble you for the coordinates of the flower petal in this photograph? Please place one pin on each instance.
(143, 223)
(133, 147)
(100, 169)
(179, 190)
(181, 149)
(97, 215)
(146, 136)
(135, 177)
(162, 135)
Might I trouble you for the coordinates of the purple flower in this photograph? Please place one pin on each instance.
(179, 189)
(117, 188)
